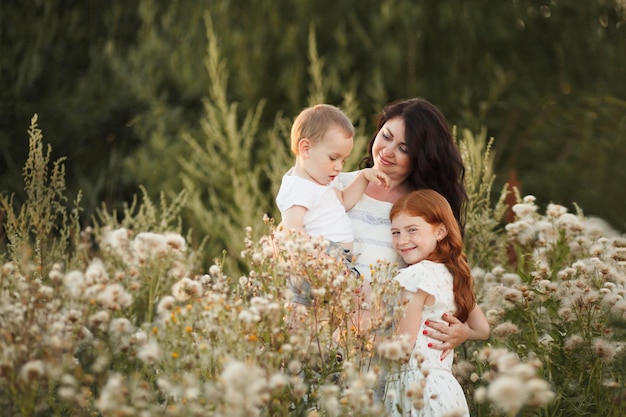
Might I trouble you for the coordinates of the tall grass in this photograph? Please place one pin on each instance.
(119, 318)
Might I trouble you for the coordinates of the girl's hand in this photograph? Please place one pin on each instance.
(450, 335)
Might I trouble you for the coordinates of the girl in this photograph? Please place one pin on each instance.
(437, 279)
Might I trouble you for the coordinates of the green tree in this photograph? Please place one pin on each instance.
(119, 84)
(52, 64)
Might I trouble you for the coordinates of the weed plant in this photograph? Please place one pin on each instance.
(116, 319)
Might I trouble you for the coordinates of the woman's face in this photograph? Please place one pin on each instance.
(390, 151)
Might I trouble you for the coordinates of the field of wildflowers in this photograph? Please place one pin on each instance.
(115, 319)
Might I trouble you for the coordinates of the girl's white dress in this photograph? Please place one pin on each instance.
(442, 394)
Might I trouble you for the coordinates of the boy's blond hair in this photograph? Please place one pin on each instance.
(313, 122)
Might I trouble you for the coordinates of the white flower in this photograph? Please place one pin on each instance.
(99, 318)
(571, 222)
(140, 337)
(505, 330)
(114, 297)
(167, 388)
(504, 359)
(523, 371)
(96, 272)
(510, 279)
(75, 283)
(166, 304)
(329, 399)
(66, 393)
(396, 349)
(597, 228)
(214, 270)
(278, 381)
(524, 210)
(112, 395)
(566, 273)
(120, 326)
(117, 240)
(267, 250)
(249, 318)
(513, 295)
(339, 279)
(32, 371)
(149, 352)
(521, 230)
(294, 367)
(240, 380)
(55, 273)
(507, 393)
(46, 291)
(546, 285)
(539, 392)
(149, 245)
(176, 242)
(604, 349)
(555, 210)
(187, 288)
(498, 270)
(546, 232)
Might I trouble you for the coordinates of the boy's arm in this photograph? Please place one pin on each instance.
(293, 218)
(354, 191)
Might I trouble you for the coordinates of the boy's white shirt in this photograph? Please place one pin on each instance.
(325, 216)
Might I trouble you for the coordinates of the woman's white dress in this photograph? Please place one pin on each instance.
(442, 392)
(372, 230)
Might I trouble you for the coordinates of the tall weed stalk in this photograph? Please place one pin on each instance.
(43, 231)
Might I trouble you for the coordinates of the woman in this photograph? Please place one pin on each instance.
(413, 145)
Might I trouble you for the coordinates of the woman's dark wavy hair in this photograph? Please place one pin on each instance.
(435, 159)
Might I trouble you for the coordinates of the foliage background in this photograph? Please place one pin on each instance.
(131, 92)
(111, 320)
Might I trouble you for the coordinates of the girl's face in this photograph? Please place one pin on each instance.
(390, 151)
(324, 160)
(414, 238)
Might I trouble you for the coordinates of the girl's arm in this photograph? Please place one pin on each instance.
(411, 321)
(475, 328)
(354, 191)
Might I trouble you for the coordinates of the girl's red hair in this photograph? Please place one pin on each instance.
(435, 209)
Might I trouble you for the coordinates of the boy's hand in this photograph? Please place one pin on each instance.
(378, 177)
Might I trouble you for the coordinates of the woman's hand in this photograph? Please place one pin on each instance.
(450, 335)
(457, 332)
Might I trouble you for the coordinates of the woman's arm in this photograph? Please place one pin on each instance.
(456, 332)
(478, 324)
